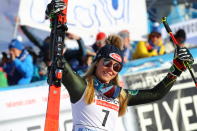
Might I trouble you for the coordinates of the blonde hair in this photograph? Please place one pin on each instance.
(89, 93)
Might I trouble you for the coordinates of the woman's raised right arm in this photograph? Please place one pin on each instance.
(73, 82)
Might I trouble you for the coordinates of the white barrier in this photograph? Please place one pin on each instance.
(24, 109)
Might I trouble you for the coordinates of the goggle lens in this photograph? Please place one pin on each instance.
(116, 66)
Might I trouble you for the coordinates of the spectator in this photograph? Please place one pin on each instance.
(3, 78)
(73, 56)
(153, 47)
(115, 40)
(87, 61)
(42, 60)
(100, 41)
(40, 66)
(181, 37)
(19, 67)
(127, 50)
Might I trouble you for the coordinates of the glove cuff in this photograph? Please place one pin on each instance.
(171, 76)
(175, 71)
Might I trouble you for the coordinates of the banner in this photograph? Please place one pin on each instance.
(88, 17)
(176, 111)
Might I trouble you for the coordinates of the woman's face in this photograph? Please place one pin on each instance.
(105, 70)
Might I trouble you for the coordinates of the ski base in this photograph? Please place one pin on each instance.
(53, 108)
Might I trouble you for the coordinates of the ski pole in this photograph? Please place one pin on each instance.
(167, 27)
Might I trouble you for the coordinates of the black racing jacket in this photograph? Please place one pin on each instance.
(76, 86)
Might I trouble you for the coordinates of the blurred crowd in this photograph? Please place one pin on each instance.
(23, 65)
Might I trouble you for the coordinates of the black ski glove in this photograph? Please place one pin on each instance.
(55, 7)
(182, 57)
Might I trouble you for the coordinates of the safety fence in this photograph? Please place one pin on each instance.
(23, 108)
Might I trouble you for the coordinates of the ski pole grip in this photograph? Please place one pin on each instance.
(166, 25)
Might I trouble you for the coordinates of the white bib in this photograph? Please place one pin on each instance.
(101, 115)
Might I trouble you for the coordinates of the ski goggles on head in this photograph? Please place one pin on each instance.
(108, 63)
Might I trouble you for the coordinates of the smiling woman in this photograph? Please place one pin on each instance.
(98, 94)
(98, 89)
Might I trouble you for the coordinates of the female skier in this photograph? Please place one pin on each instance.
(97, 99)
